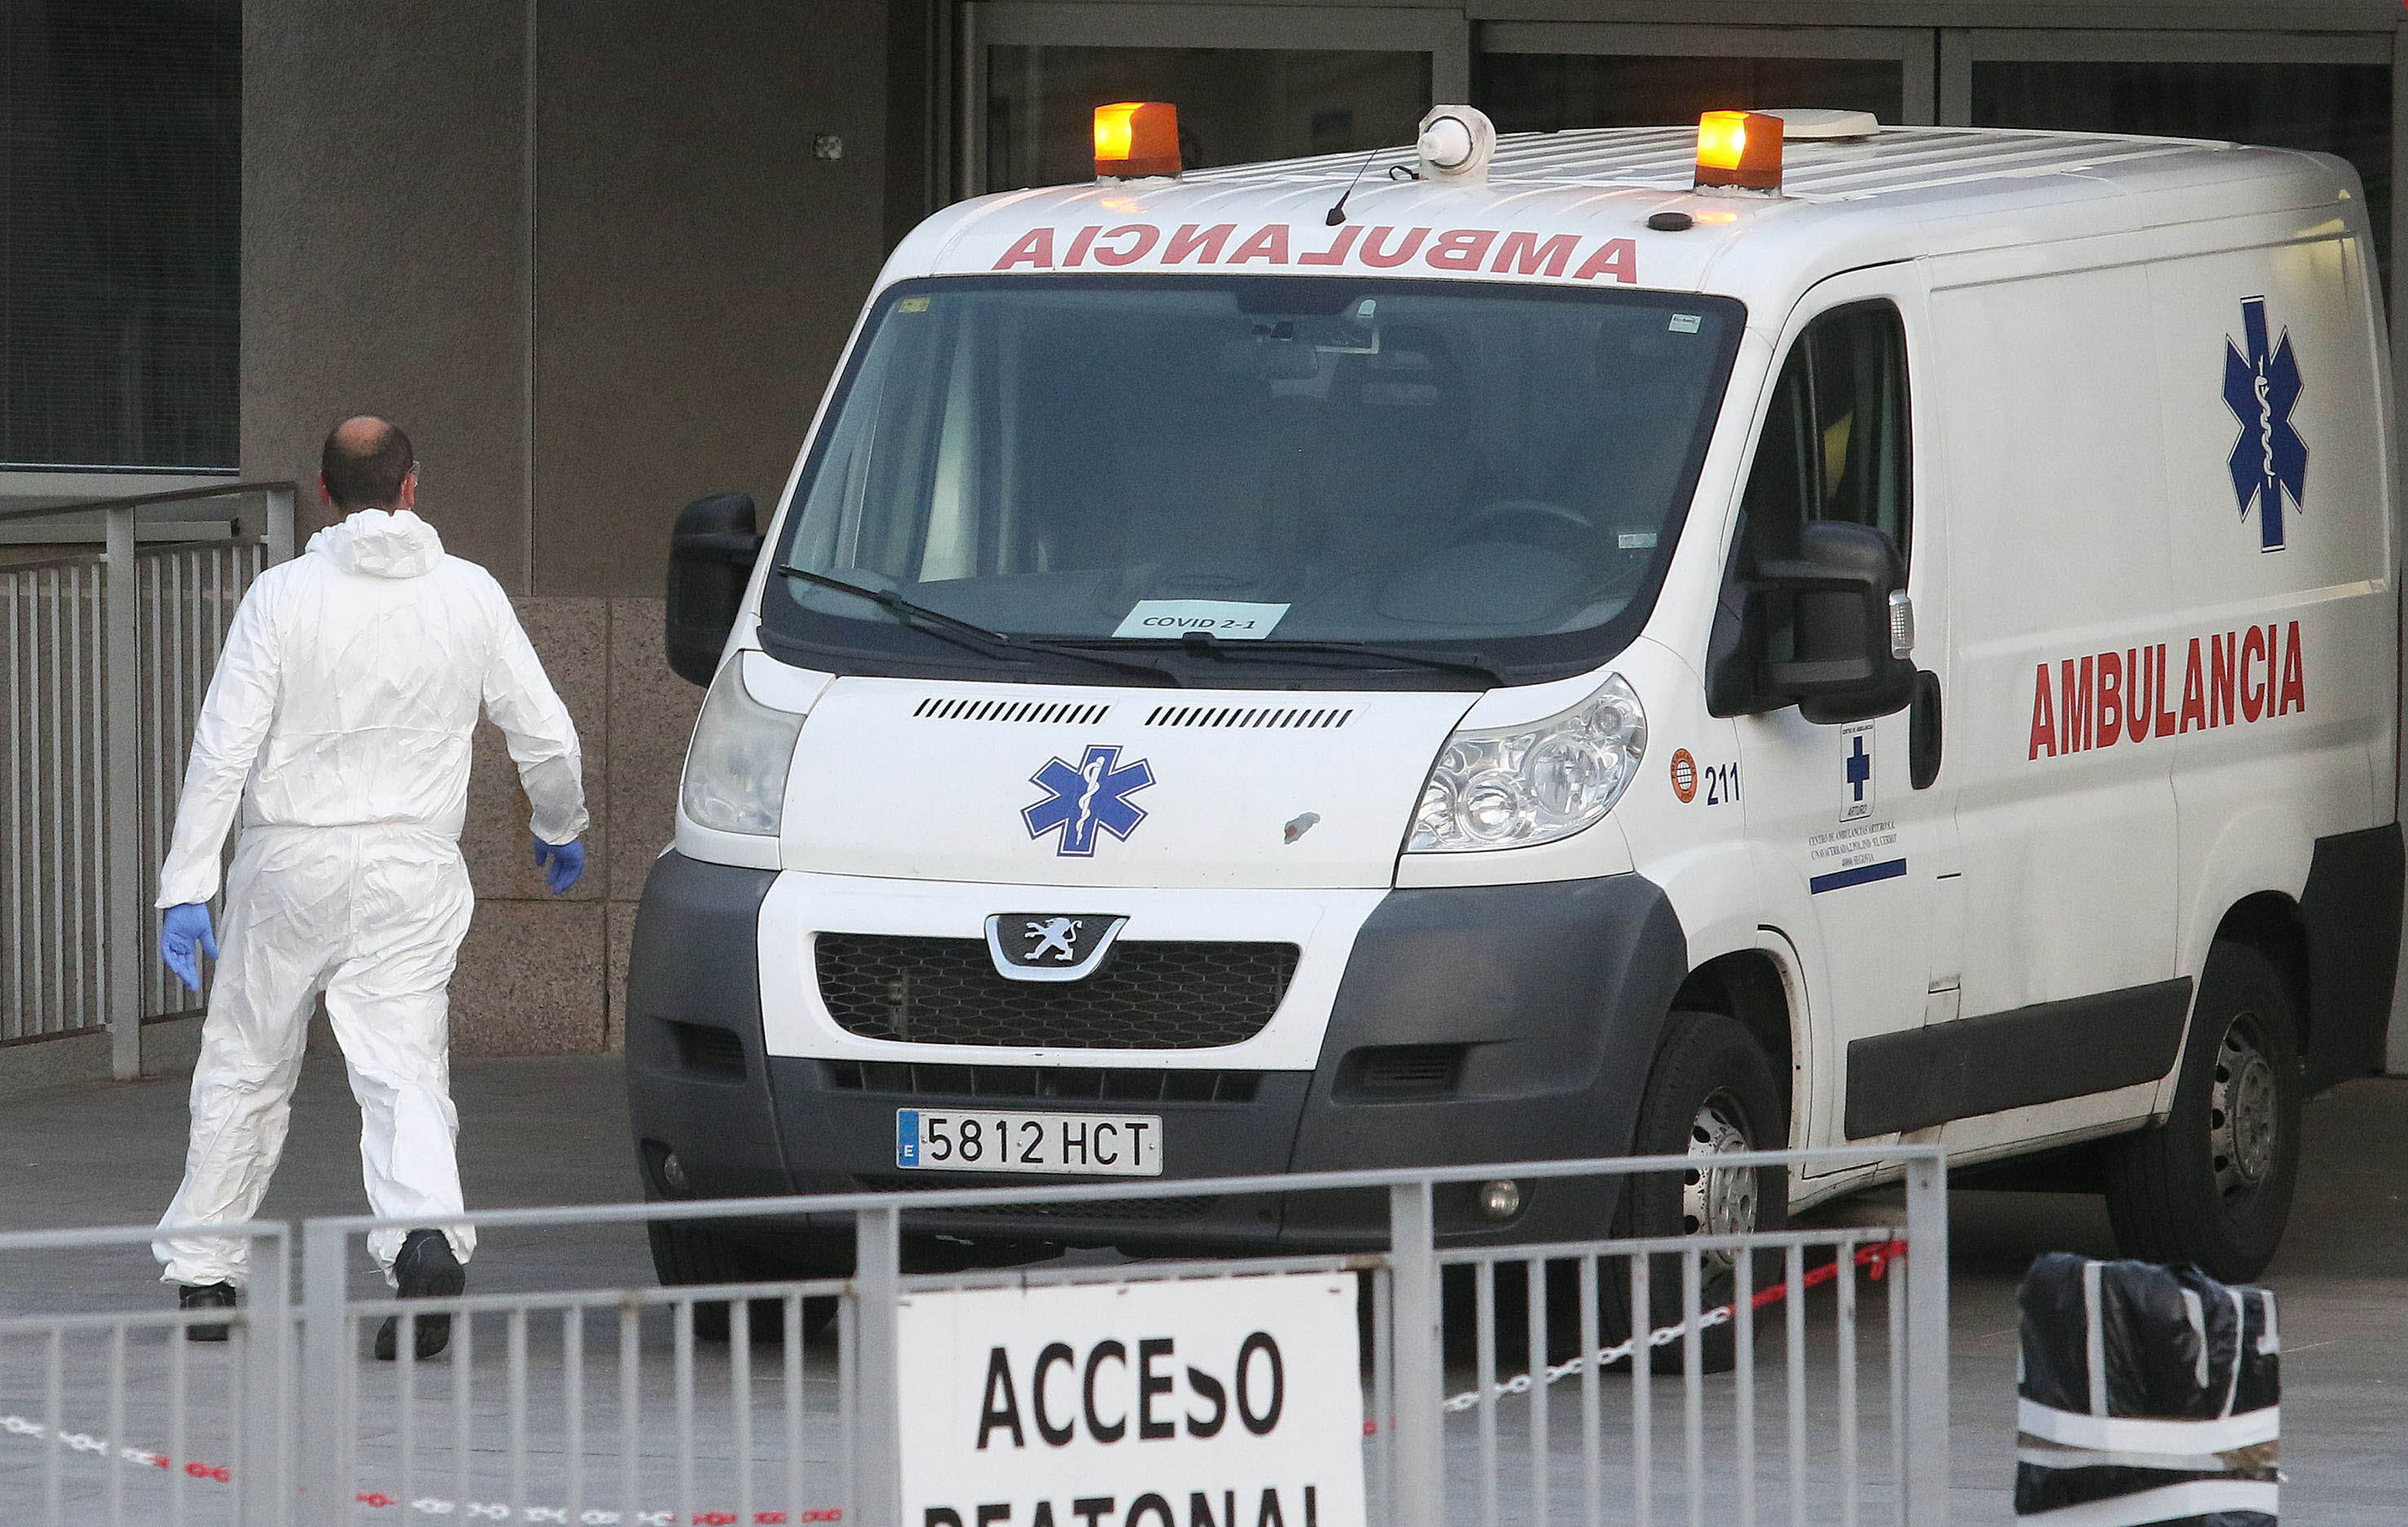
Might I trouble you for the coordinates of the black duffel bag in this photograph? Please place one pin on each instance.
(2147, 1395)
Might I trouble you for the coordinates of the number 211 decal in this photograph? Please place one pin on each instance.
(1722, 784)
(1717, 782)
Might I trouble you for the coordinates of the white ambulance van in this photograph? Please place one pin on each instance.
(1536, 656)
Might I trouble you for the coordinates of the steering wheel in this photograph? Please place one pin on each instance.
(1524, 509)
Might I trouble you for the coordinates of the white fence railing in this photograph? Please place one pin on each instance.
(103, 658)
(1498, 1380)
(112, 1415)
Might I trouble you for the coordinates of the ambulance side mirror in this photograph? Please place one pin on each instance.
(712, 554)
(1847, 654)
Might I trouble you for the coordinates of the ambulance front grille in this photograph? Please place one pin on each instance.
(1086, 1084)
(1149, 994)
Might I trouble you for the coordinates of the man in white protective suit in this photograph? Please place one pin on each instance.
(339, 719)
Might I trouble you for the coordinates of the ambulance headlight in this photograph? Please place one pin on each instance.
(736, 767)
(1513, 786)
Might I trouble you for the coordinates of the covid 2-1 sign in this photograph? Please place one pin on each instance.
(1203, 1403)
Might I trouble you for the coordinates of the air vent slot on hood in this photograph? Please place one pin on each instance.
(1035, 712)
(1300, 718)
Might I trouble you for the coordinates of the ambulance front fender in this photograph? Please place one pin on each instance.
(1716, 893)
(1713, 891)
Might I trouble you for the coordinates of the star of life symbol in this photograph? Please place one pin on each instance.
(2270, 459)
(1085, 798)
(1055, 936)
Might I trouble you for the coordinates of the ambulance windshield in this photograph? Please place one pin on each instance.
(1450, 471)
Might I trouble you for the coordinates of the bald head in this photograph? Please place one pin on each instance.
(365, 462)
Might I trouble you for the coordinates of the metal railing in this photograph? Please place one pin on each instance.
(112, 1415)
(103, 658)
(604, 1405)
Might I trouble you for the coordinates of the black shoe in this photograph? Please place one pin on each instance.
(205, 1296)
(425, 1269)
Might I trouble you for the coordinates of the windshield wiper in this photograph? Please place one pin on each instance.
(969, 634)
(1207, 645)
(1472, 664)
(1127, 665)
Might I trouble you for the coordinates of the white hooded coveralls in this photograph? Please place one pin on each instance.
(339, 719)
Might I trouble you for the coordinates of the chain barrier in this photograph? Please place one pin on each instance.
(1875, 1258)
(474, 1511)
(496, 1511)
(83, 1442)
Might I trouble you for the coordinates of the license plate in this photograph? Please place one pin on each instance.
(980, 1140)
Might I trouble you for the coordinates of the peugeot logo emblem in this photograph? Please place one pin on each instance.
(1050, 945)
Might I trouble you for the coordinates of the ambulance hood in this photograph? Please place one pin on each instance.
(1033, 784)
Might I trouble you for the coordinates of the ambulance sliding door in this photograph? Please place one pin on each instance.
(1855, 847)
(2044, 397)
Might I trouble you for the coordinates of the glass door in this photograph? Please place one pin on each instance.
(2331, 93)
(1543, 76)
(1251, 82)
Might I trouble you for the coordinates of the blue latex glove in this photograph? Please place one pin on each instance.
(563, 864)
(183, 938)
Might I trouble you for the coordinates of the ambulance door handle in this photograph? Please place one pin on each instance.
(1923, 737)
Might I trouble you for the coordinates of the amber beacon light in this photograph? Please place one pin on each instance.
(1137, 138)
(1737, 149)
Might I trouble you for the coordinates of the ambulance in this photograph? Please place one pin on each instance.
(1787, 632)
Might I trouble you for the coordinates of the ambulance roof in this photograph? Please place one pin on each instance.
(1894, 161)
(1900, 193)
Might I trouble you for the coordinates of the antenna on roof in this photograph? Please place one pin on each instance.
(1338, 212)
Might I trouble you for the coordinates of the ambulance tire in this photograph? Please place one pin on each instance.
(1710, 1089)
(2212, 1186)
(686, 1253)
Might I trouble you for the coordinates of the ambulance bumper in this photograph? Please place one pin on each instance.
(1480, 1024)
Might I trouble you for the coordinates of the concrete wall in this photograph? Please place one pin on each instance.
(698, 268)
(585, 255)
(383, 234)
(541, 973)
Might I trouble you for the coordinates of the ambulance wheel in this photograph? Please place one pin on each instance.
(686, 1253)
(1710, 1093)
(2212, 1186)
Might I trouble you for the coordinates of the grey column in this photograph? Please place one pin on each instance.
(1926, 1342)
(877, 1461)
(126, 917)
(1417, 1432)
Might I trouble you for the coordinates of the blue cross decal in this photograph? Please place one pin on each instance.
(1860, 768)
(1082, 797)
(2269, 459)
